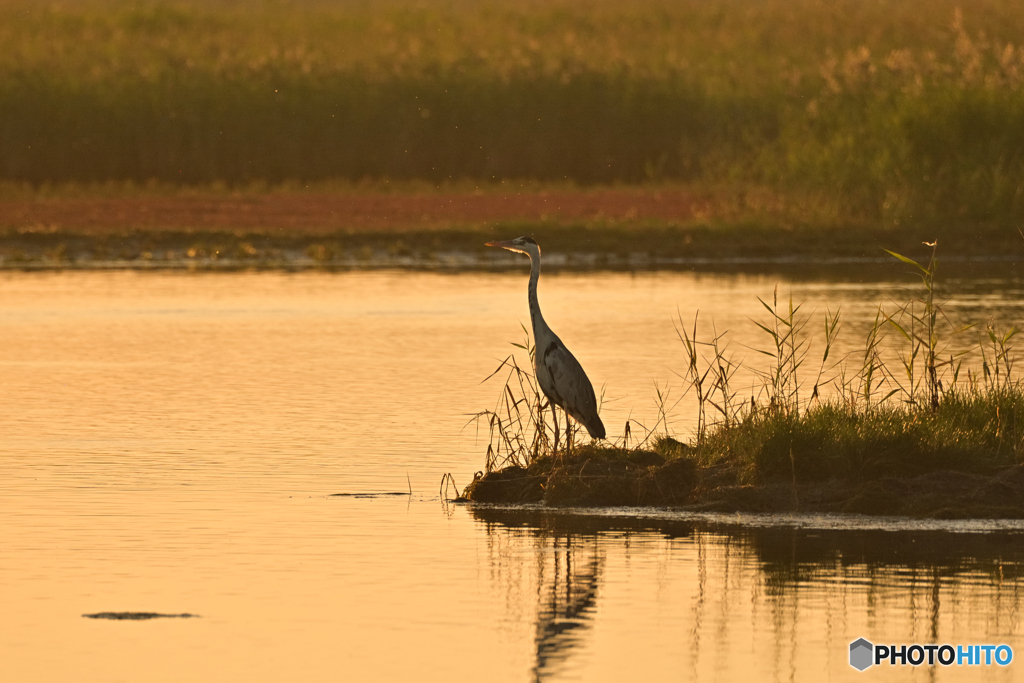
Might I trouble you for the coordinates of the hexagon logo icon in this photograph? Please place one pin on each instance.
(861, 654)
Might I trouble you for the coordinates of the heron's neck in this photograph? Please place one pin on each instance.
(535, 317)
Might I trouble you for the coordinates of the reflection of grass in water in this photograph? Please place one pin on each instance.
(875, 110)
(734, 567)
(905, 410)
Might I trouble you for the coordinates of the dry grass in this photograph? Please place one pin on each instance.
(871, 430)
(891, 112)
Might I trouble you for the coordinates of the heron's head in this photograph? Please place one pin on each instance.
(523, 245)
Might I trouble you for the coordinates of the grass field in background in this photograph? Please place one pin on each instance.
(895, 111)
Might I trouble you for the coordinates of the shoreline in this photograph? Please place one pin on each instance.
(679, 485)
(468, 262)
(623, 517)
(609, 228)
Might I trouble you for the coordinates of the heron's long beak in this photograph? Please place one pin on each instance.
(504, 244)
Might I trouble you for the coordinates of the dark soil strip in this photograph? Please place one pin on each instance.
(681, 484)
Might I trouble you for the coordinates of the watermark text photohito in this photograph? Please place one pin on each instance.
(864, 654)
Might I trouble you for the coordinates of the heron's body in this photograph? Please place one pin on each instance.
(559, 374)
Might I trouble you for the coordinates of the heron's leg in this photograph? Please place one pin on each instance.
(554, 414)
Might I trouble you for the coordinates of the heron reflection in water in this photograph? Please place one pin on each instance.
(559, 374)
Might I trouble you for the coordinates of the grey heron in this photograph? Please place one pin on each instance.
(559, 374)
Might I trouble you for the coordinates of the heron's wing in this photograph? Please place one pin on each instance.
(573, 389)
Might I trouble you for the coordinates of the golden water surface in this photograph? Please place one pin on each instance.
(171, 443)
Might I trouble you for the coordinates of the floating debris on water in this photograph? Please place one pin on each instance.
(139, 616)
(370, 495)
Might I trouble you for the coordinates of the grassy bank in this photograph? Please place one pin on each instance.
(887, 112)
(904, 426)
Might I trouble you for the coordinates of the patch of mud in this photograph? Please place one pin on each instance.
(680, 484)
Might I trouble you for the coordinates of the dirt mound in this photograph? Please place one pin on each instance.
(631, 478)
(648, 479)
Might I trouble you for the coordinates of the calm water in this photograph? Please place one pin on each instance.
(171, 443)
